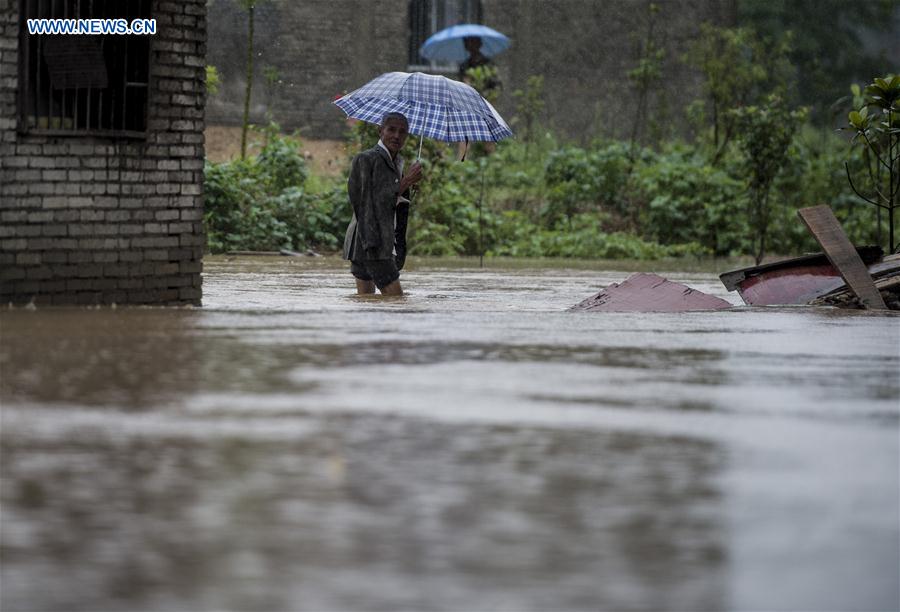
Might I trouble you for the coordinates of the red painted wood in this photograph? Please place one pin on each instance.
(790, 285)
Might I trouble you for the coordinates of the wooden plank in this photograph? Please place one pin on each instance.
(820, 220)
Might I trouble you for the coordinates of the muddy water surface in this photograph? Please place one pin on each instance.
(472, 445)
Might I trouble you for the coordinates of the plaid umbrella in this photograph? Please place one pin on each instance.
(435, 106)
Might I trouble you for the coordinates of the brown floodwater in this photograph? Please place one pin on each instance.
(469, 446)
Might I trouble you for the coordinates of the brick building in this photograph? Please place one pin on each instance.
(101, 156)
(307, 52)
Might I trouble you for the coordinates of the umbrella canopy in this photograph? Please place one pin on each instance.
(447, 45)
(435, 106)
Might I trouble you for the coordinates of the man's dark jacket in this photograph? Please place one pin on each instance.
(373, 187)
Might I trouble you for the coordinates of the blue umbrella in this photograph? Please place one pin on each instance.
(435, 106)
(447, 45)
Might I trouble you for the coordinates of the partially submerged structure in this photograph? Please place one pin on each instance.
(101, 155)
(650, 293)
(842, 275)
(797, 280)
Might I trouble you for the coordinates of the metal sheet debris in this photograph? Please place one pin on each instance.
(644, 292)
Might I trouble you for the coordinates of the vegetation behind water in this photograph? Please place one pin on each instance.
(732, 189)
(545, 199)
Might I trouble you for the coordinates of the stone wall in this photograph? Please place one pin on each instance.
(583, 48)
(319, 49)
(100, 220)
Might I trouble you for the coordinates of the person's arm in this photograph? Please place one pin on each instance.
(359, 189)
(412, 176)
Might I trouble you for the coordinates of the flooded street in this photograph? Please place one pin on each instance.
(470, 446)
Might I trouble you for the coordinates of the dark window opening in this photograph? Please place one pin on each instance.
(429, 16)
(84, 84)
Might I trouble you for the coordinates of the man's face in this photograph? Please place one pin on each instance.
(393, 134)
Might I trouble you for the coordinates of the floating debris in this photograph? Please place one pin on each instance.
(843, 275)
(796, 280)
(841, 253)
(644, 292)
(886, 276)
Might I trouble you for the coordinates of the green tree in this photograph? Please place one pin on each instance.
(646, 74)
(739, 68)
(272, 79)
(250, 7)
(764, 134)
(835, 42)
(529, 106)
(878, 133)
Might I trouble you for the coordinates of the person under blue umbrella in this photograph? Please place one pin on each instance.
(490, 83)
(472, 45)
(448, 45)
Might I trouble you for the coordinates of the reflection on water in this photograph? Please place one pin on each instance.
(363, 512)
(469, 446)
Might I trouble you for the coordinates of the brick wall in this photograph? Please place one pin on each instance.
(100, 220)
(583, 48)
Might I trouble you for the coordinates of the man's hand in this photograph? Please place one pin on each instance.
(413, 175)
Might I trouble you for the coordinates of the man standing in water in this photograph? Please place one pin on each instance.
(375, 242)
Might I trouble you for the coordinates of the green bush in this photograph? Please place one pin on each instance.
(812, 175)
(585, 239)
(578, 180)
(444, 218)
(684, 199)
(280, 164)
(545, 200)
(260, 204)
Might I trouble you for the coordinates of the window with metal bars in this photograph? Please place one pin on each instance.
(429, 16)
(80, 84)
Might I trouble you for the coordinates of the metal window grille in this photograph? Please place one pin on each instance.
(429, 16)
(84, 85)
